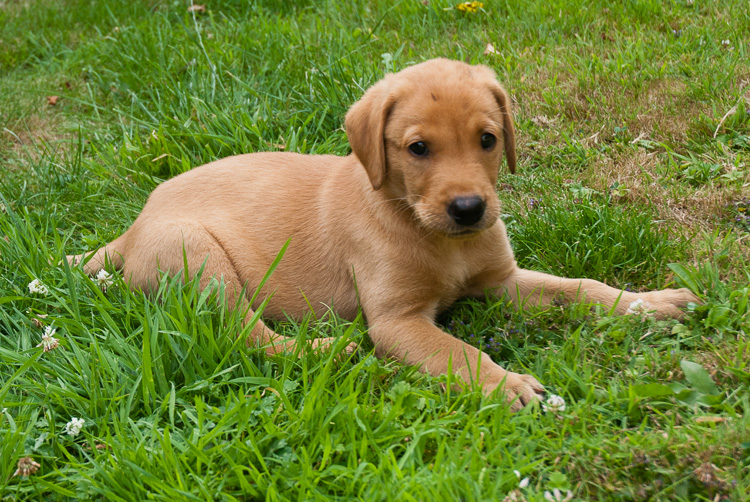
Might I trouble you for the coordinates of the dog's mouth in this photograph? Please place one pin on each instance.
(451, 230)
(464, 232)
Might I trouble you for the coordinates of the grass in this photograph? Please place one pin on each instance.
(634, 143)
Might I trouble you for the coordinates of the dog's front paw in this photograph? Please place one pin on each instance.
(328, 344)
(665, 304)
(519, 390)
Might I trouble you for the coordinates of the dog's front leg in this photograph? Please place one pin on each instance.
(527, 287)
(416, 340)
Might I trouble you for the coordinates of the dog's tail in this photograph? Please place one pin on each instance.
(110, 255)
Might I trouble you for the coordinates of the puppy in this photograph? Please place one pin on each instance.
(402, 228)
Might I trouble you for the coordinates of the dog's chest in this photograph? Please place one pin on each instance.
(453, 287)
(442, 273)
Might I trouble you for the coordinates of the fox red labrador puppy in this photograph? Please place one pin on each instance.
(402, 227)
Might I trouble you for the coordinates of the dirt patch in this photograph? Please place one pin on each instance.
(25, 138)
(687, 212)
(662, 110)
(642, 174)
(665, 111)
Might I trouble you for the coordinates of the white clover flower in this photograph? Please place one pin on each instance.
(104, 279)
(515, 496)
(49, 342)
(26, 467)
(554, 404)
(726, 43)
(36, 286)
(523, 483)
(73, 428)
(557, 496)
(640, 308)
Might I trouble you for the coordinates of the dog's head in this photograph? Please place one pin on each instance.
(433, 136)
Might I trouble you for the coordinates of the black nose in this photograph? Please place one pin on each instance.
(466, 210)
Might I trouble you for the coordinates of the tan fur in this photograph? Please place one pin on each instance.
(369, 229)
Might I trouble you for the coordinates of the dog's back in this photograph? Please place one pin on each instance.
(250, 205)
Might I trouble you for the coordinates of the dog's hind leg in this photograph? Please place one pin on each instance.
(143, 254)
(274, 343)
(167, 247)
(110, 254)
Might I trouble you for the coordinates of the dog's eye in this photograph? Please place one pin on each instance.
(418, 148)
(488, 141)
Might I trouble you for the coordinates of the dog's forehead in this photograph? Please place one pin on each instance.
(441, 79)
(444, 68)
(442, 102)
(445, 86)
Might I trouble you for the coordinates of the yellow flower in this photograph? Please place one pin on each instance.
(469, 6)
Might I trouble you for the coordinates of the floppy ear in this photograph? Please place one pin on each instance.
(365, 128)
(509, 131)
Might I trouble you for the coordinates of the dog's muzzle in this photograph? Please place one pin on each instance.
(466, 211)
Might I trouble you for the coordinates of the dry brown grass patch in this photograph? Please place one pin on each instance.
(25, 138)
(641, 174)
(665, 111)
(686, 211)
(662, 111)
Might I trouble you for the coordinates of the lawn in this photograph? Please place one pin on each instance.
(633, 123)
